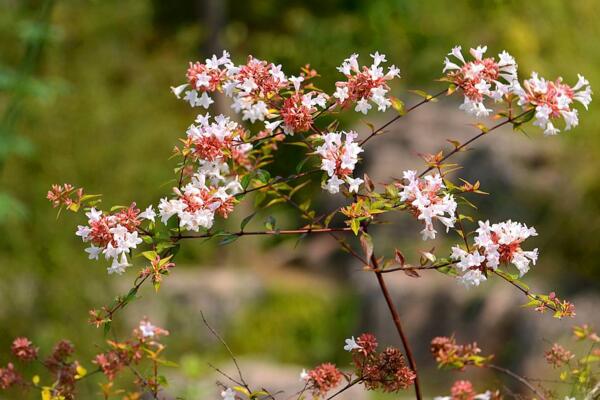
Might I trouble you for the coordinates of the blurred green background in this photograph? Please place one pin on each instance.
(84, 98)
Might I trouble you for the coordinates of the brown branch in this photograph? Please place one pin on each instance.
(418, 268)
(267, 232)
(342, 390)
(526, 292)
(278, 180)
(396, 317)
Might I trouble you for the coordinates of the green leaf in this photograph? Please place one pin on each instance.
(246, 220)
(150, 254)
(355, 226)
(229, 238)
(398, 105)
(106, 328)
(263, 176)
(245, 181)
(423, 94)
(301, 164)
(270, 223)
(366, 242)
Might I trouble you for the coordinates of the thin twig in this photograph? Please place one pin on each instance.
(518, 378)
(237, 366)
(474, 138)
(397, 117)
(348, 386)
(266, 232)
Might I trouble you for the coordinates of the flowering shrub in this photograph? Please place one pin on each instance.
(221, 163)
(63, 372)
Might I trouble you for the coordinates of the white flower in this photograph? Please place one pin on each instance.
(351, 345)
(341, 93)
(228, 394)
(296, 80)
(93, 252)
(354, 184)
(304, 375)
(93, 214)
(83, 232)
(148, 214)
(362, 106)
(204, 100)
(378, 58)
(271, 126)
(147, 329)
(179, 90)
(118, 266)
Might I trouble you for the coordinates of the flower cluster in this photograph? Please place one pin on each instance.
(297, 111)
(558, 356)
(9, 376)
(481, 78)
(365, 84)
(219, 140)
(65, 195)
(339, 155)
(562, 308)
(204, 78)
(113, 235)
(210, 192)
(252, 85)
(494, 244)
(448, 353)
(132, 351)
(426, 199)
(322, 379)
(553, 100)
(65, 370)
(23, 349)
(385, 370)
(464, 390)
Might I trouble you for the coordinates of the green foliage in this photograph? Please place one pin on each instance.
(296, 326)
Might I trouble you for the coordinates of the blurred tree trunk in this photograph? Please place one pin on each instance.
(211, 15)
(212, 18)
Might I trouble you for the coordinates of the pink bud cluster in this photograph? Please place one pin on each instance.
(113, 235)
(322, 379)
(385, 370)
(298, 109)
(9, 376)
(427, 200)
(66, 195)
(339, 155)
(481, 78)
(464, 390)
(448, 353)
(494, 244)
(364, 85)
(558, 356)
(144, 341)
